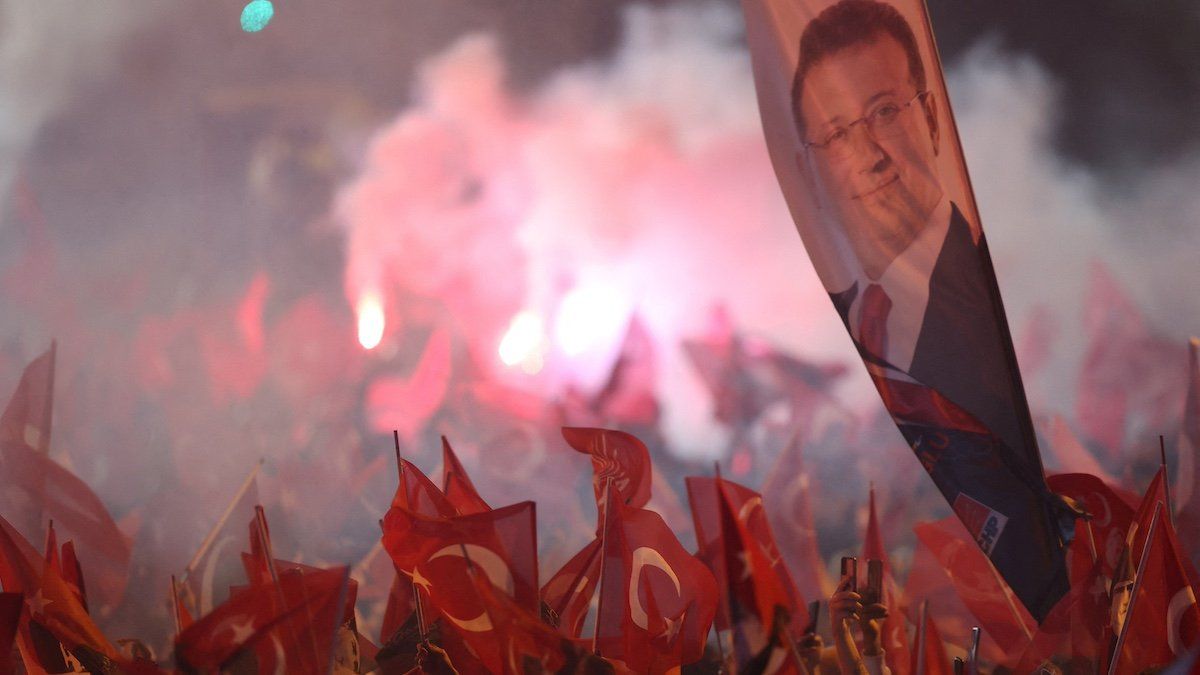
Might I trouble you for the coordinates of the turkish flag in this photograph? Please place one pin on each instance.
(736, 540)
(1104, 532)
(978, 584)
(569, 592)
(34, 487)
(290, 625)
(1162, 623)
(657, 601)
(501, 542)
(1075, 628)
(419, 494)
(26, 419)
(616, 455)
(457, 486)
(786, 490)
(895, 632)
(519, 642)
(217, 564)
(929, 652)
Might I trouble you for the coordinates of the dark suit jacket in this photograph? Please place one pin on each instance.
(961, 353)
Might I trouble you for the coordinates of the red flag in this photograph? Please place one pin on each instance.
(616, 455)
(894, 634)
(1075, 628)
(736, 540)
(431, 551)
(1104, 533)
(1162, 623)
(457, 486)
(569, 592)
(1187, 484)
(929, 653)
(657, 602)
(217, 564)
(439, 554)
(55, 613)
(519, 642)
(26, 419)
(419, 494)
(978, 584)
(290, 626)
(786, 491)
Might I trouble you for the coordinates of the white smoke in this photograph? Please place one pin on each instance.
(48, 49)
(646, 173)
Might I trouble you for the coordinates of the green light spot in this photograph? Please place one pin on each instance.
(256, 15)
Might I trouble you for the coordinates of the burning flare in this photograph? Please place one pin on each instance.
(370, 320)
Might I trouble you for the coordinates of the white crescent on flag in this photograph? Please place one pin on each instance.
(643, 557)
(492, 565)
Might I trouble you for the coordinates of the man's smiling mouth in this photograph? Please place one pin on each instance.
(877, 188)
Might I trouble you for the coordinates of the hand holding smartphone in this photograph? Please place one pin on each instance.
(850, 571)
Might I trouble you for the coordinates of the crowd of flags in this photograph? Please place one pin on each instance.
(467, 593)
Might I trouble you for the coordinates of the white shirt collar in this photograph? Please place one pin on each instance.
(906, 282)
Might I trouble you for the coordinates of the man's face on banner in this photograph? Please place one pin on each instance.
(871, 140)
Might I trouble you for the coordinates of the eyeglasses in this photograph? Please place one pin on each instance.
(881, 122)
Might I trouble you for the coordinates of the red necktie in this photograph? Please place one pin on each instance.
(907, 401)
(872, 320)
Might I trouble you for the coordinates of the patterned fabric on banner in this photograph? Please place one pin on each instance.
(861, 136)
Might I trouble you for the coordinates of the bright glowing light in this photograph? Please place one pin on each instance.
(522, 343)
(588, 316)
(370, 320)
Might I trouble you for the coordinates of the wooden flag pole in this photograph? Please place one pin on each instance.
(399, 463)
(212, 534)
(603, 563)
(1162, 454)
(1137, 583)
(175, 607)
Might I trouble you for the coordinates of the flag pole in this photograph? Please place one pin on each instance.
(603, 561)
(1137, 583)
(212, 534)
(1162, 455)
(921, 637)
(399, 463)
(175, 607)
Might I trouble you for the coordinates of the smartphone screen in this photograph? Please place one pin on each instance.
(874, 592)
(850, 571)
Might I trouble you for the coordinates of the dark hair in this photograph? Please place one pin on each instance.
(849, 23)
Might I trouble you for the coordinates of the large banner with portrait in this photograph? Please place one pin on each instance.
(861, 137)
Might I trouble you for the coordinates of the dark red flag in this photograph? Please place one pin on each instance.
(616, 455)
(1162, 622)
(457, 486)
(569, 592)
(1111, 515)
(419, 494)
(501, 542)
(755, 587)
(217, 563)
(26, 419)
(786, 490)
(657, 601)
(978, 583)
(929, 653)
(288, 626)
(895, 633)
